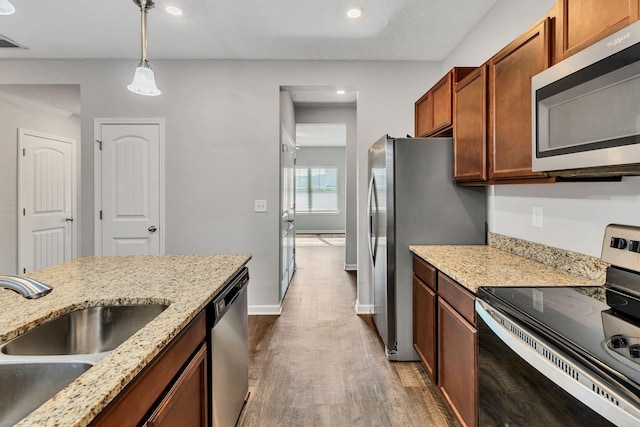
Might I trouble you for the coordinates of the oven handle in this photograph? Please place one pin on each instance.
(563, 371)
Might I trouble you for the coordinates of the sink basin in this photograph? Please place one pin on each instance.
(25, 386)
(89, 330)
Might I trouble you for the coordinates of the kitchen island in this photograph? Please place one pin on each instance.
(186, 283)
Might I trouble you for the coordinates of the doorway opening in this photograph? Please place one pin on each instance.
(322, 121)
(39, 178)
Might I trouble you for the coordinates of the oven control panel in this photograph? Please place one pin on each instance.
(621, 246)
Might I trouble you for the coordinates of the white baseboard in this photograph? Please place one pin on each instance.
(320, 231)
(363, 308)
(351, 267)
(265, 310)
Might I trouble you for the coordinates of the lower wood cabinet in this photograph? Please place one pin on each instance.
(170, 391)
(457, 370)
(425, 310)
(445, 338)
(186, 403)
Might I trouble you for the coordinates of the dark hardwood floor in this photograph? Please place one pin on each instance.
(319, 364)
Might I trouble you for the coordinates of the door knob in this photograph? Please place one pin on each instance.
(153, 229)
(69, 219)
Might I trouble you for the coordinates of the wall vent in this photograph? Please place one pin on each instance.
(8, 43)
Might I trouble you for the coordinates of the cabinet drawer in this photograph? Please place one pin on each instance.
(425, 271)
(458, 297)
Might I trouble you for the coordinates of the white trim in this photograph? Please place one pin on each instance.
(97, 175)
(351, 267)
(298, 231)
(363, 308)
(265, 310)
(75, 190)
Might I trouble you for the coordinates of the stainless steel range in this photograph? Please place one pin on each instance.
(559, 356)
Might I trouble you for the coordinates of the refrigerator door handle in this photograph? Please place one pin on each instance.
(372, 240)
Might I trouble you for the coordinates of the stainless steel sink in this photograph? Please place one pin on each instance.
(86, 331)
(25, 386)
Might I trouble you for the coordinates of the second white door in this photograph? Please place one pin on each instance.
(128, 189)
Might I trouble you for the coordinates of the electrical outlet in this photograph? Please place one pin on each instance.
(260, 206)
(536, 217)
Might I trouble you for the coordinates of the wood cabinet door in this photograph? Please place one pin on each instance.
(457, 364)
(580, 23)
(186, 403)
(424, 326)
(424, 115)
(470, 116)
(510, 72)
(442, 108)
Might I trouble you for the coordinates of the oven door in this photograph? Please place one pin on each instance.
(523, 381)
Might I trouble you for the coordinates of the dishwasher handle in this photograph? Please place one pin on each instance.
(223, 302)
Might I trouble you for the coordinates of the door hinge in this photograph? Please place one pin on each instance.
(100, 214)
(295, 162)
(24, 212)
(24, 270)
(24, 152)
(99, 143)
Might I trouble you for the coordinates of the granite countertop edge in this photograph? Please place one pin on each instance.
(475, 266)
(187, 283)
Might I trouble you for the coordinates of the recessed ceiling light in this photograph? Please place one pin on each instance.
(6, 8)
(354, 12)
(173, 10)
(340, 92)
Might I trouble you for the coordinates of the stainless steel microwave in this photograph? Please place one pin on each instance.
(586, 110)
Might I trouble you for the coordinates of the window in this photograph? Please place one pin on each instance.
(316, 189)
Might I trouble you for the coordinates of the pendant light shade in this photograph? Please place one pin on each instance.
(144, 82)
(6, 8)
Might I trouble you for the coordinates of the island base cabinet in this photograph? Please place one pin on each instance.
(170, 391)
(185, 404)
(457, 362)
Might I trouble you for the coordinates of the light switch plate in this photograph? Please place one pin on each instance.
(536, 217)
(260, 206)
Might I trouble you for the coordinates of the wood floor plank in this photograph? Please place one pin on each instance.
(320, 364)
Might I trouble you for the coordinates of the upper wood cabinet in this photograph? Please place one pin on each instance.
(509, 129)
(580, 23)
(470, 132)
(434, 111)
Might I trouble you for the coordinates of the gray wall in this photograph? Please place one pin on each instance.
(574, 214)
(222, 130)
(346, 115)
(324, 222)
(12, 117)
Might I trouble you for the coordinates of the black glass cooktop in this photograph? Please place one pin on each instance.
(583, 327)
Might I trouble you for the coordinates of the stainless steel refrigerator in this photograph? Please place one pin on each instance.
(413, 199)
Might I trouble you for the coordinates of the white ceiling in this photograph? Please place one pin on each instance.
(242, 29)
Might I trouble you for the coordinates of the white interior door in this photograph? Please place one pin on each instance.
(46, 200)
(129, 197)
(288, 212)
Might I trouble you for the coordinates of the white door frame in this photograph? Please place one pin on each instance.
(74, 194)
(97, 175)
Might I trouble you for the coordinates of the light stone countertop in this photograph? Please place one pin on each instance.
(476, 266)
(185, 282)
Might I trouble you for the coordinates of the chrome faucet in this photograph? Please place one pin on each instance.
(28, 288)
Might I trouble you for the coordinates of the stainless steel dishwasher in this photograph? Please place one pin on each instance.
(229, 352)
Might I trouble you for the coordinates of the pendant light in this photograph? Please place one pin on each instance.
(144, 82)
(6, 8)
